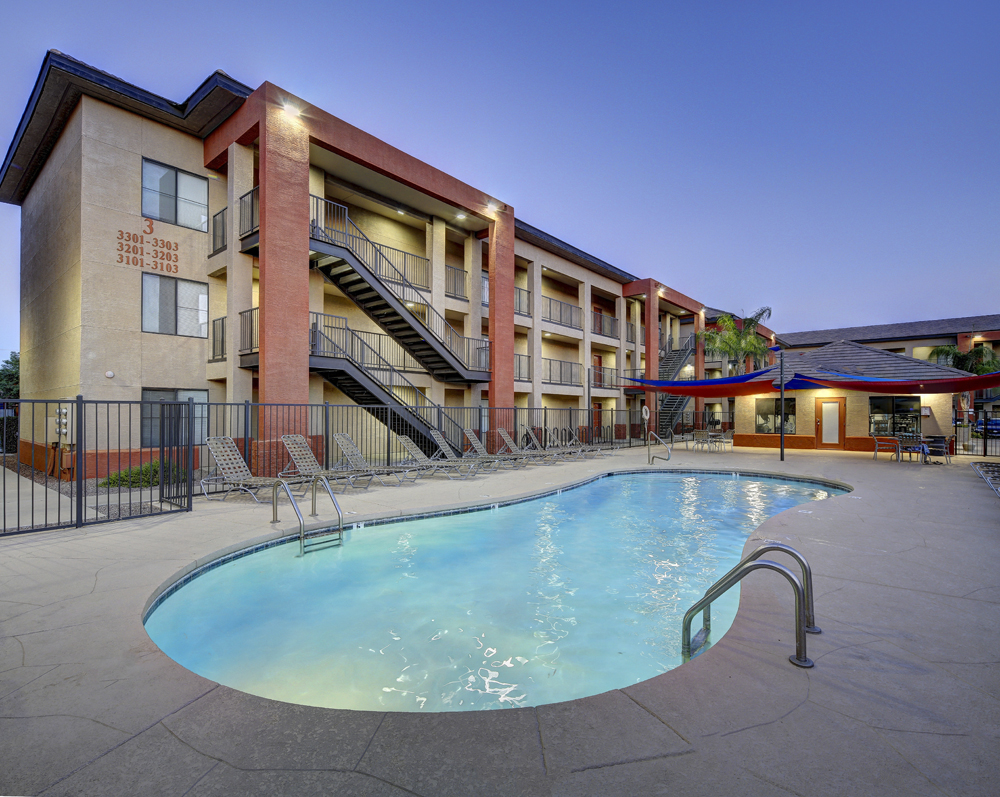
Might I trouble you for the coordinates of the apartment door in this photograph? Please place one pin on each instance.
(598, 364)
(831, 422)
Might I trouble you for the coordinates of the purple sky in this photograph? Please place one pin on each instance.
(839, 162)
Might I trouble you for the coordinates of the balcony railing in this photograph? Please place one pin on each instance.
(522, 301)
(330, 222)
(563, 313)
(561, 372)
(218, 340)
(219, 231)
(250, 212)
(606, 325)
(389, 350)
(633, 373)
(415, 269)
(604, 377)
(454, 283)
(249, 330)
(486, 289)
(522, 367)
(630, 333)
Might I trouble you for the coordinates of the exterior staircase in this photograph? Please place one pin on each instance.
(365, 274)
(671, 363)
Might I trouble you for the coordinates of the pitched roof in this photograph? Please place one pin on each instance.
(880, 332)
(848, 357)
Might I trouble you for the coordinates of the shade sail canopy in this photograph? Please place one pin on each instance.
(874, 385)
(742, 385)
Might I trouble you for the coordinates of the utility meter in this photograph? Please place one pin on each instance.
(60, 426)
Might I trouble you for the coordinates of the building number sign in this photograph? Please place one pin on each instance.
(145, 250)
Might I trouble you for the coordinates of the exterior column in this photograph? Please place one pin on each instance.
(587, 355)
(620, 310)
(239, 274)
(284, 257)
(651, 315)
(502, 308)
(699, 356)
(473, 262)
(535, 333)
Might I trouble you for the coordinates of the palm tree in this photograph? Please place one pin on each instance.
(737, 340)
(980, 360)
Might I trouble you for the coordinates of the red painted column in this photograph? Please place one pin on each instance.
(284, 256)
(501, 271)
(699, 357)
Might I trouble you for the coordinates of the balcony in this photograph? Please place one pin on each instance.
(219, 232)
(522, 367)
(250, 212)
(249, 330)
(561, 372)
(630, 333)
(454, 283)
(562, 313)
(486, 289)
(606, 325)
(218, 340)
(522, 301)
(606, 378)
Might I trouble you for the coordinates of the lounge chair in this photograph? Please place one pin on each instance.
(558, 451)
(572, 446)
(453, 469)
(235, 475)
(588, 448)
(990, 472)
(358, 463)
(488, 464)
(304, 464)
(532, 455)
(508, 460)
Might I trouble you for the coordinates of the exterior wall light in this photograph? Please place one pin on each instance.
(109, 374)
(290, 110)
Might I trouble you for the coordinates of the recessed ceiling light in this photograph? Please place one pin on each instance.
(460, 217)
(400, 211)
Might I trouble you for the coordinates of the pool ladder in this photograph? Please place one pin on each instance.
(650, 456)
(281, 484)
(805, 615)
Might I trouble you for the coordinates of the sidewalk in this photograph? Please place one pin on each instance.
(904, 698)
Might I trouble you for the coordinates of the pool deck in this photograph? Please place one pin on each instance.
(904, 698)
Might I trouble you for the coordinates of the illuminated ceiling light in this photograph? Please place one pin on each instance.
(409, 304)
(460, 217)
(290, 110)
(400, 211)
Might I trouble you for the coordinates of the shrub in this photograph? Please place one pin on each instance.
(147, 475)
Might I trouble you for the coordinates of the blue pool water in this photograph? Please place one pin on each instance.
(547, 600)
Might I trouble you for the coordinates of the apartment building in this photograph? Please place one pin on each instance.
(244, 245)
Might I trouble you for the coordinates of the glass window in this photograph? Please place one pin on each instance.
(153, 431)
(892, 415)
(767, 412)
(174, 196)
(173, 306)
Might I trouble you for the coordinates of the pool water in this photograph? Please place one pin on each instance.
(543, 601)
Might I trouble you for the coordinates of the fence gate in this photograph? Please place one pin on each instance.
(177, 428)
(981, 438)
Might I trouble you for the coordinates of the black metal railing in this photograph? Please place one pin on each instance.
(630, 333)
(522, 301)
(249, 330)
(330, 222)
(486, 289)
(604, 377)
(219, 231)
(606, 325)
(522, 367)
(454, 283)
(218, 340)
(563, 313)
(250, 212)
(561, 372)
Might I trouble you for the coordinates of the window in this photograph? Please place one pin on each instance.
(155, 430)
(767, 411)
(174, 196)
(174, 307)
(892, 415)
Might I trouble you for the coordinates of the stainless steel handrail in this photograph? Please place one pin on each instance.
(734, 576)
(281, 484)
(650, 456)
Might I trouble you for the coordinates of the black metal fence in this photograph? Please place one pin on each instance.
(79, 462)
(979, 437)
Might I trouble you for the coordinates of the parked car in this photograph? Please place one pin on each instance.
(992, 426)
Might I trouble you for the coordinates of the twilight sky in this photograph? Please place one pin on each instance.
(839, 162)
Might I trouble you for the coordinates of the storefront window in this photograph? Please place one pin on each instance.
(892, 415)
(767, 411)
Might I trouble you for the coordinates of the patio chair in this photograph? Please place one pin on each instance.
(913, 444)
(587, 448)
(508, 460)
(725, 439)
(358, 463)
(702, 439)
(235, 475)
(559, 451)
(886, 443)
(304, 463)
(488, 464)
(939, 446)
(453, 469)
(538, 455)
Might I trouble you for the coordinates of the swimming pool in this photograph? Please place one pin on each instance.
(547, 600)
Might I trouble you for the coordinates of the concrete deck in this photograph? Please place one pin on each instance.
(904, 698)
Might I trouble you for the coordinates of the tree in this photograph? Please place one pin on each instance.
(737, 340)
(980, 360)
(10, 376)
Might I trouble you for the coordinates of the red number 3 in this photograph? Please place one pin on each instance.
(149, 226)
